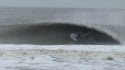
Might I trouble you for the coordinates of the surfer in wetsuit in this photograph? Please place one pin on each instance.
(76, 36)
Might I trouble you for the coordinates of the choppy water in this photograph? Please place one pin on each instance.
(50, 63)
(62, 57)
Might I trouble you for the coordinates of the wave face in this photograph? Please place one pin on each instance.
(53, 34)
(110, 21)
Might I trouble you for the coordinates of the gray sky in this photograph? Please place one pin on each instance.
(65, 3)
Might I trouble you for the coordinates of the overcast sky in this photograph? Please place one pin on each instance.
(65, 3)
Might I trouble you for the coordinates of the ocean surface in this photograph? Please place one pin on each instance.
(60, 57)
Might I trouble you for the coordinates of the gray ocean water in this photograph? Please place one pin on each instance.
(110, 21)
(63, 57)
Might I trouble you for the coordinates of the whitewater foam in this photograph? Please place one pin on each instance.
(64, 51)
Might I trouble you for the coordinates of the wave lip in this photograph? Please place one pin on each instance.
(54, 34)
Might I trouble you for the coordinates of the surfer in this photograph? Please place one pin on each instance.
(76, 36)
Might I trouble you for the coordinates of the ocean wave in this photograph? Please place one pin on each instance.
(54, 33)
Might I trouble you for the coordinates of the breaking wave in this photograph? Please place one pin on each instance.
(54, 33)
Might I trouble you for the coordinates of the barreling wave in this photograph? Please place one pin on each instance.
(54, 33)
